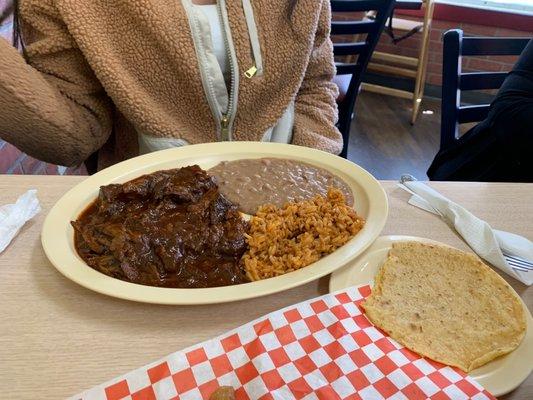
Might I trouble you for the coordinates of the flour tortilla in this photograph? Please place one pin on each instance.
(446, 305)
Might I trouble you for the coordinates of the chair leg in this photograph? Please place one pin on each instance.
(419, 83)
(345, 131)
(420, 95)
(422, 62)
(416, 107)
(91, 164)
(345, 119)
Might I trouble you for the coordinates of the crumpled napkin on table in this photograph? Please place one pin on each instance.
(14, 216)
(488, 243)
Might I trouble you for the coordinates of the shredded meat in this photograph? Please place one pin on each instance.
(171, 228)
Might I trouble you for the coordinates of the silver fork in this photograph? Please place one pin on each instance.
(518, 263)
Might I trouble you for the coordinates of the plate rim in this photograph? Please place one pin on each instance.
(385, 240)
(104, 284)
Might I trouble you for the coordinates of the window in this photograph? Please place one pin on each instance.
(524, 7)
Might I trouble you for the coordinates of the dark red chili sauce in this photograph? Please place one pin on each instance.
(170, 228)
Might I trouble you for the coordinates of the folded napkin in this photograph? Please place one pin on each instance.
(323, 348)
(14, 216)
(486, 242)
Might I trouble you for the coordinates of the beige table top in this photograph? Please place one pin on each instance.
(57, 338)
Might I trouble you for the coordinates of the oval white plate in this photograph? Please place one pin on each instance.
(57, 234)
(499, 376)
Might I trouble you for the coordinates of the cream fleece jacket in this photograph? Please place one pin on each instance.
(97, 74)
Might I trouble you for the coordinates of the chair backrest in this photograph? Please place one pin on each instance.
(454, 80)
(362, 49)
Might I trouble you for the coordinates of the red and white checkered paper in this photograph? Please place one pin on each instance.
(323, 348)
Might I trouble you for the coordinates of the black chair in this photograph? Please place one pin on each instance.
(362, 50)
(454, 80)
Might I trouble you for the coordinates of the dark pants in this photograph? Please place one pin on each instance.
(500, 148)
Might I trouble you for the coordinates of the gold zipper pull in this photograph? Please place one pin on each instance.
(251, 72)
(224, 125)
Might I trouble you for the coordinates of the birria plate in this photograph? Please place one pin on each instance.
(58, 235)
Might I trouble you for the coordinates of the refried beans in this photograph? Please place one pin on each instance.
(252, 183)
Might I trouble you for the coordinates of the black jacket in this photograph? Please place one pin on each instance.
(500, 148)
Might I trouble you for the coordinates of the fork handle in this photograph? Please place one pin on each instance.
(514, 245)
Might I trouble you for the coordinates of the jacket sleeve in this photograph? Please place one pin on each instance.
(52, 107)
(316, 108)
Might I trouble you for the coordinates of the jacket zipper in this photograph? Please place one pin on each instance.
(227, 118)
(257, 68)
(206, 81)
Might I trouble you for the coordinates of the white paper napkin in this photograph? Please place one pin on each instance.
(14, 216)
(488, 243)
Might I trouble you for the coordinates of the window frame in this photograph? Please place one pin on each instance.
(508, 6)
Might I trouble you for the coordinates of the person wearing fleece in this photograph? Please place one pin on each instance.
(126, 78)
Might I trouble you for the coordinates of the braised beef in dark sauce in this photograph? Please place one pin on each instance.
(170, 228)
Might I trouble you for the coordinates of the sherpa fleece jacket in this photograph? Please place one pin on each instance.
(98, 71)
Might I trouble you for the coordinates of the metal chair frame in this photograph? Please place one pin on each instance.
(362, 49)
(455, 46)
